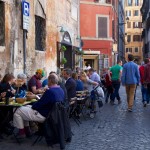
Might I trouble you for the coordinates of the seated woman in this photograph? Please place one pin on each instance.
(88, 84)
(6, 89)
(21, 85)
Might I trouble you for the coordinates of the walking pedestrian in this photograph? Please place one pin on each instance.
(145, 95)
(147, 79)
(115, 78)
(130, 79)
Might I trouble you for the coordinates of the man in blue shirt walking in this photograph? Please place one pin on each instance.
(130, 79)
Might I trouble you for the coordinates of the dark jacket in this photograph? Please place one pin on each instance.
(71, 88)
(6, 87)
(51, 96)
(147, 73)
(57, 126)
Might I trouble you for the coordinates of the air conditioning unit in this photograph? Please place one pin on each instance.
(108, 1)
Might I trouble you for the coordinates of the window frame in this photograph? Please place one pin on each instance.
(41, 46)
(108, 30)
(136, 48)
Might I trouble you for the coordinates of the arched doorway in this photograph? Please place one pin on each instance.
(67, 54)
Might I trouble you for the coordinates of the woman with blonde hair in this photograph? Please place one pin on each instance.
(87, 83)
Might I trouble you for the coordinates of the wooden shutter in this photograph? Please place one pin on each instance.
(102, 27)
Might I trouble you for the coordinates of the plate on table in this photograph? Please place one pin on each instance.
(2, 103)
(17, 104)
(33, 100)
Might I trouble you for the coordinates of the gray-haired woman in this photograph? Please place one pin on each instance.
(21, 82)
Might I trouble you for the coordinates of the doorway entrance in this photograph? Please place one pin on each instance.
(89, 62)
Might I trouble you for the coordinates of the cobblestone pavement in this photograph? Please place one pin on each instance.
(112, 129)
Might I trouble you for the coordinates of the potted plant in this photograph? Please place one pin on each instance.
(63, 48)
(63, 60)
(81, 53)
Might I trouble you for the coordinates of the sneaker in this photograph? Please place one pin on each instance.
(129, 109)
(92, 115)
(112, 103)
(144, 105)
(119, 101)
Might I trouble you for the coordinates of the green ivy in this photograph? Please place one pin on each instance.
(64, 61)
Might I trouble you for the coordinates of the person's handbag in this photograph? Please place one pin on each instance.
(100, 92)
(100, 103)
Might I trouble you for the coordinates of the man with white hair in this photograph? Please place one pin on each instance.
(40, 109)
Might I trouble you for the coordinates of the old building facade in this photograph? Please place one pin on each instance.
(51, 26)
(133, 29)
(146, 28)
(99, 31)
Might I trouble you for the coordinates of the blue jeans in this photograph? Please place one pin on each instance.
(115, 94)
(145, 94)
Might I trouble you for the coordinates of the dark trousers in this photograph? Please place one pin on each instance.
(116, 87)
(109, 91)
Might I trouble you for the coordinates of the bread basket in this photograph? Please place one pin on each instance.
(20, 100)
(30, 97)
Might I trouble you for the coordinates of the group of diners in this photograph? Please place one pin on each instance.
(55, 88)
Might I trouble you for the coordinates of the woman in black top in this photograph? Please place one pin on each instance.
(6, 89)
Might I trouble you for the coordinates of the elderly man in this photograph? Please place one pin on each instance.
(34, 84)
(39, 111)
(93, 75)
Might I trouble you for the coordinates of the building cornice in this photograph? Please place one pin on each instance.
(97, 39)
(98, 4)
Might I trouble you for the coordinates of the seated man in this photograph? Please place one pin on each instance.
(34, 84)
(39, 111)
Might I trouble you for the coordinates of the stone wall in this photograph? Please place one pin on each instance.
(56, 14)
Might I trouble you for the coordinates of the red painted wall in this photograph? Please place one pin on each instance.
(88, 14)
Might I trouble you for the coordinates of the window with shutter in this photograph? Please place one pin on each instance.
(136, 50)
(128, 38)
(40, 33)
(136, 13)
(128, 24)
(102, 27)
(2, 24)
(136, 38)
(113, 29)
(108, 1)
(129, 2)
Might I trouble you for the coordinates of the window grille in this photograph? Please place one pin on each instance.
(40, 33)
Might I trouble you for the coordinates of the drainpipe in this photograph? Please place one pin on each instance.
(24, 51)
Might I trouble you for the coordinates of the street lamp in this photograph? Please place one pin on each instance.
(122, 23)
(61, 29)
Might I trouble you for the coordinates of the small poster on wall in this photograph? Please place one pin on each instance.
(106, 62)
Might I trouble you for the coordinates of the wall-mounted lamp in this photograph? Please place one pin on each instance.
(78, 37)
(61, 29)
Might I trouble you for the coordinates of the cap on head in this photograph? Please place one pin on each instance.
(40, 71)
